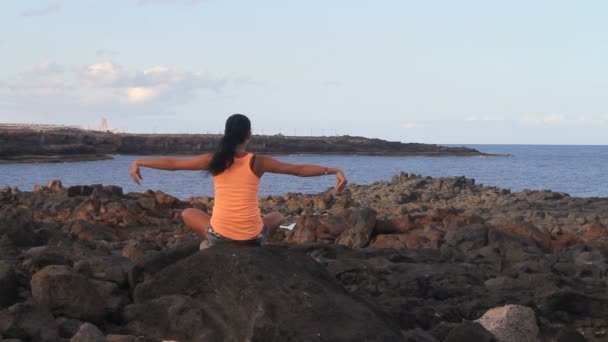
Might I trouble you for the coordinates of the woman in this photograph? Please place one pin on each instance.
(236, 178)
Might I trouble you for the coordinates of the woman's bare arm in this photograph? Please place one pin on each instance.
(269, 164)
(170, 164)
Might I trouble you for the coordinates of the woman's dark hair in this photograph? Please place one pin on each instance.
(237, 131)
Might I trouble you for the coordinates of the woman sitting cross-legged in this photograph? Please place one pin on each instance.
(236, 178)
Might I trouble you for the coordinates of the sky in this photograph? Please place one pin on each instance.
(442, 72)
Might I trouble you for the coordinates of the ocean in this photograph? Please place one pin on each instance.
(580, 171)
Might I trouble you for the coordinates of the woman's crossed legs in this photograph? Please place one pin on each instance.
(197, 221)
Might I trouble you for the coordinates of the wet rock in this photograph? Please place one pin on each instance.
(88, 333)
(511, 323)
(8, 285)
(29, 322)
(67, 293)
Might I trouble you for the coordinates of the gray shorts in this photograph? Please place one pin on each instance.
(215, 238)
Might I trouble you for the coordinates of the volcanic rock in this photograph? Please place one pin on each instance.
(8, 285)
(511, 323)
(88, 333)
(258, 293)
(67, 293)
(28, 321)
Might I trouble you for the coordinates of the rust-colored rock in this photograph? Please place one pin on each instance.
(165, 200)
(394, 225)
(565, 240)
(594, 232)
(542, 240)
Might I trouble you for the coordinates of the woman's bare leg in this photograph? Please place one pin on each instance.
(196, 220)
(272, 221)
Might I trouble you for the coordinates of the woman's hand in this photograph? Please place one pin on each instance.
(135, 173)
(340, 180)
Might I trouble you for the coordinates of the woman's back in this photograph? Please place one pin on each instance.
(236, 214)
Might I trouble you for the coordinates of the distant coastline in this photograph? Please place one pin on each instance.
(48, 143)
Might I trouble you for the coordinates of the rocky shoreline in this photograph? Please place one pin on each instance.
(411, 259)
(56, 144)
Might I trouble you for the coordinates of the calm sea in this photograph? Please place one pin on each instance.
(578, 170)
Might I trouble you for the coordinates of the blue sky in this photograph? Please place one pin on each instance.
(509, 72)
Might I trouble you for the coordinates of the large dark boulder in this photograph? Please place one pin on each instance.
(8, 285)
(17, 227)
(249, 293)
(28, 322)
(68, 293)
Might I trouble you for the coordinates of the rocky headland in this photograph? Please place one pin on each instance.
(53, 144)
(411, 259)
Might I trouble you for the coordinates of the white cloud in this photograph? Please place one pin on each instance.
(48, 9)
(105, 87)
(543, 120)
(411, 125)
(142, 94)
(101, 74)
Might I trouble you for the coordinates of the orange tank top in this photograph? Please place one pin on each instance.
(236, 213)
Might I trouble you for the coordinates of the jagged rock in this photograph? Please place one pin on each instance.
(16, 225)
(38, 258)
(265, 294)
(89, 231)
(130, 338)
(394, 225)
(469, 331)
(136, 250)
(360, 223)
(79, 190)
(113, 268)
(8, 285)
(55, 185)
(155, 262)
(88, 333)
(67, 293)
(511, 323)
(29, 322)
(418, 335)
(569, 335)
(68, 327)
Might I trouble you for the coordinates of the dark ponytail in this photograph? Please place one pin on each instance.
(237, 131)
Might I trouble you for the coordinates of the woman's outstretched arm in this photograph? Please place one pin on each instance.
(171, 164)
(269, 164)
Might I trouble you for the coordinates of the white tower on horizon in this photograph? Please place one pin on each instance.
(104, 125)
